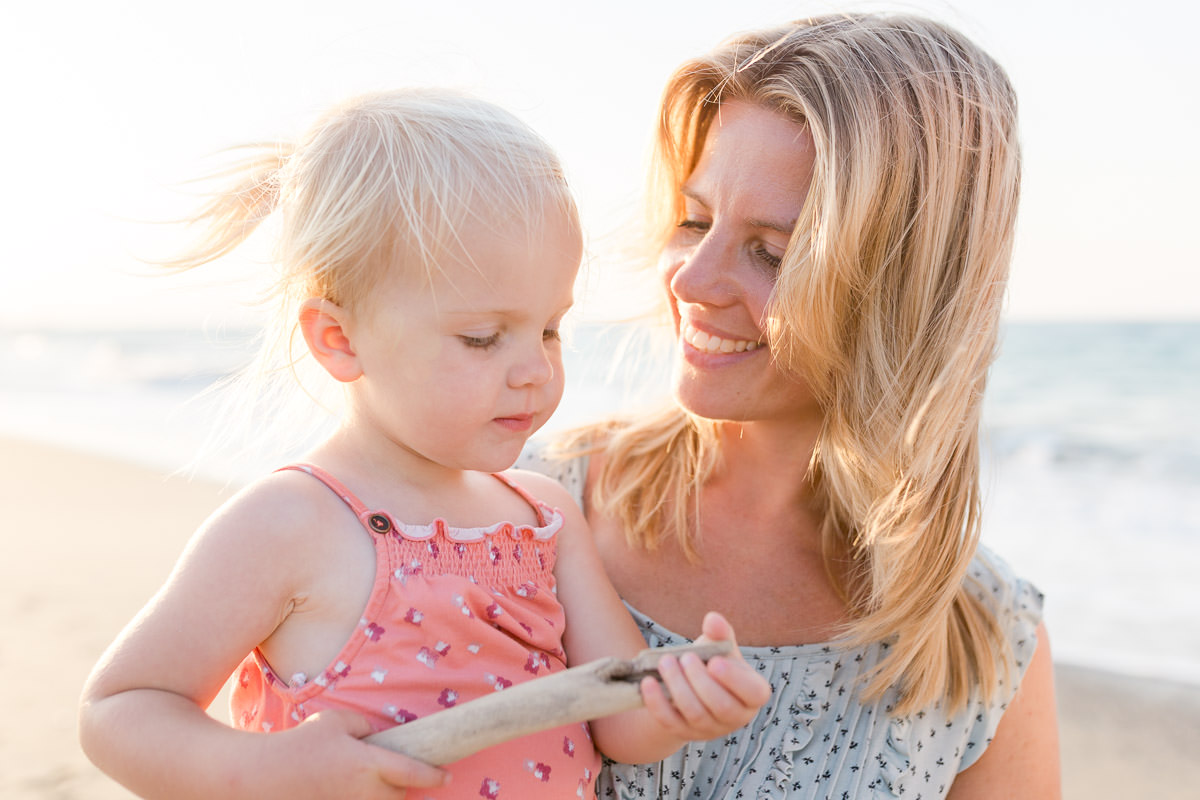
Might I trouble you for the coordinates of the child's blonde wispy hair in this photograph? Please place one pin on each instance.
(382, 182)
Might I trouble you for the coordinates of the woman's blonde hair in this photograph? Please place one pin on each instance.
(887, 304)
(382, 182)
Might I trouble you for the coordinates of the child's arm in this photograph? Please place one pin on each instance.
(142, 718)
(706, 700)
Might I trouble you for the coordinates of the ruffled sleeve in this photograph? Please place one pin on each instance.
(1017, 604)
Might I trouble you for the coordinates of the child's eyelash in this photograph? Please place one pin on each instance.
(483, 342)
(553, 334)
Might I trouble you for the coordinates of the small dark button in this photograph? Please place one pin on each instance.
(380, 523)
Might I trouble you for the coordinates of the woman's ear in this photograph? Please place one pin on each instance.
(323, 326)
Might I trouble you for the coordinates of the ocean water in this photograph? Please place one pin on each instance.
(1092, 467)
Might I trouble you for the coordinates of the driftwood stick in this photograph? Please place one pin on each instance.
(589, 691)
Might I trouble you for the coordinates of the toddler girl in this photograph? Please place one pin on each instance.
(428, 245)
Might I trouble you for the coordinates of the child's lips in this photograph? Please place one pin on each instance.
(516, 422)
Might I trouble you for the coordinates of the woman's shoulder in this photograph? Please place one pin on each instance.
(1016, 605)
(570, 471)
(1015, 601)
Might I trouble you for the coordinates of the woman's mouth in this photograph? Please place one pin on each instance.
(708, 343)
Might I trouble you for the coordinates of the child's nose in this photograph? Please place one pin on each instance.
(536, 368)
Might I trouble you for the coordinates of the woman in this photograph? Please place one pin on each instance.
(836, 201)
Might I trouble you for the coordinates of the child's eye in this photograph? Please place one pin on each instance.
(482, 342)
(551, 335)
(768, 258)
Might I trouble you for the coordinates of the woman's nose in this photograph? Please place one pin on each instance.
(702, 273)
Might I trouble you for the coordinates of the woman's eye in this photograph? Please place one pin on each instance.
(697, 225)
(767, 257)
(482, 342)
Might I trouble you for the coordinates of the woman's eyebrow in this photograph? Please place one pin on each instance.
(785, 228)
(691, 194)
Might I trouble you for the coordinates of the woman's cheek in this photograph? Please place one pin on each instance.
(668, 265)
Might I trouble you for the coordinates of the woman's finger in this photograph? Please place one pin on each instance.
(743, 682)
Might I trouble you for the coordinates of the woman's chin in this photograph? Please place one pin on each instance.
(708, 404)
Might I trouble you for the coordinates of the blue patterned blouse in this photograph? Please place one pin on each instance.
(816, 737)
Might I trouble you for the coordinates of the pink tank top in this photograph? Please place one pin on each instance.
(454, 614)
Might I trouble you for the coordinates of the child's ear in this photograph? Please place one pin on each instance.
(322, 324)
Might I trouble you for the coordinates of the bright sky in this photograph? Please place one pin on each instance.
(111, 106)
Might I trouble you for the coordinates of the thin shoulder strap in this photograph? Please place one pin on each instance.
(375, 521)
(538, 506)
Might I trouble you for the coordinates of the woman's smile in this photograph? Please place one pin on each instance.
(713, 343)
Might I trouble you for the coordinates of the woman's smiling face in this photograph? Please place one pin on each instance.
(741, 204)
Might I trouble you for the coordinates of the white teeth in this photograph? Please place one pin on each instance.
(715, 344)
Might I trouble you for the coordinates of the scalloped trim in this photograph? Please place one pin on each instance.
(439, 527)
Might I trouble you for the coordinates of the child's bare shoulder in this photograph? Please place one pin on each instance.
(542, 487)
(553, 494)
(284, 510)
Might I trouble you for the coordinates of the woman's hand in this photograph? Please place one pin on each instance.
(698, 701)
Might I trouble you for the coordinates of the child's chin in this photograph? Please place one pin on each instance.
(499, 462)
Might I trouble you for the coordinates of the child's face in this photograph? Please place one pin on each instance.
(463, 372)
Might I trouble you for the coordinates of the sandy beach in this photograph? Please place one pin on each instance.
(88, 539)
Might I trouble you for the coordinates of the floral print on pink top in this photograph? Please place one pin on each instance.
(454, 614)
